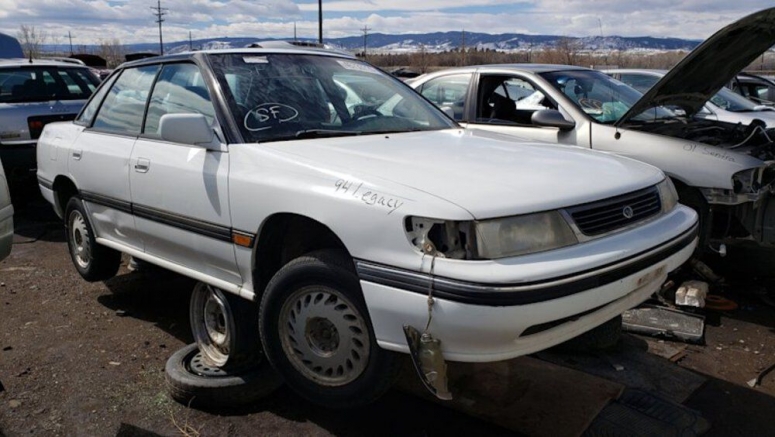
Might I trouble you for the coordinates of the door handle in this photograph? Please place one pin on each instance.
(142, 165)
(77, 154)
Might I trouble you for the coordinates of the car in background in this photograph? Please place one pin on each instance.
(325, 233)
(725, 105)
(34, 93)
(756, 88)
(6, 217)
(725, 171)
(10, 47)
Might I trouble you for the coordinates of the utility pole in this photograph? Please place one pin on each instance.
(70, 36)
(190, 44)
(160, 12)
(294, 32)
(365, 30)
(320, 22)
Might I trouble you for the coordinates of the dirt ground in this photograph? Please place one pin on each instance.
(88, 359)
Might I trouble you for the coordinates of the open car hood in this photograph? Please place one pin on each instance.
(710, 66)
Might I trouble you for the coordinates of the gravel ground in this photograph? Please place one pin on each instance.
(88, 359)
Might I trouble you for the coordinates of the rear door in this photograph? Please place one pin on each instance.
(99, 158)
(180, 191)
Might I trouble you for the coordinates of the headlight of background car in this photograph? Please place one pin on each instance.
(668, 196)
(511, 236)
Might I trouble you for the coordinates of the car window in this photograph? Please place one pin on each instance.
(510, 100)
(90, 109)
(179, 90)
(448, 91)
(122, 111)
(45, 83)
(279, 97)
(641, 82)
(602, 97)
(731, 101)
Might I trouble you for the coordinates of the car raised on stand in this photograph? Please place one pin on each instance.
(327, 223)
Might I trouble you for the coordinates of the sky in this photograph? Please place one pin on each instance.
(132, 21)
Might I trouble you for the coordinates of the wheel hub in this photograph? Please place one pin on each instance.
(324, 336)
(212, 324)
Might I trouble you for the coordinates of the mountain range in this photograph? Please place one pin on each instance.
(435, 42)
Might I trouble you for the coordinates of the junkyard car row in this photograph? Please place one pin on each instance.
(334, 217)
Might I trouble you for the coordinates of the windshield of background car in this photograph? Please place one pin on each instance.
(731, 101)
(602, 97)
(278, 97)
(44, 83)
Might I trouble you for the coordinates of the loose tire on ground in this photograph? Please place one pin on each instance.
(225, 327)
(602, 337)
(93, 261)
(193, 383)
(316, 332)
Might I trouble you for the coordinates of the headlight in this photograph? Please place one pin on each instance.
(524, 234)
(667, 195)
(490, 239)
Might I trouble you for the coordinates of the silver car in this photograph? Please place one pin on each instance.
(725, 105)
(6, 217)
(34, 93)
(724, 170)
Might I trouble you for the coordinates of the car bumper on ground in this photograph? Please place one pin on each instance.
(492, 322)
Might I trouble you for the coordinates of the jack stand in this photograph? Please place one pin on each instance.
(428, 361)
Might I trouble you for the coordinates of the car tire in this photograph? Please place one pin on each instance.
(93, 261)
(192, 383)
(600, 338)
(225, 327)
(316, 332)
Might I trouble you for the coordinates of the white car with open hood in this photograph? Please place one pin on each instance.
(723, 170)
(248, 171)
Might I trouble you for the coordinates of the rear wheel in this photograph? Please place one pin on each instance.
(225, 327)
(316, 332)
(93, 261)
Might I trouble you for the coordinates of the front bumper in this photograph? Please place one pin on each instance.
(489, 322)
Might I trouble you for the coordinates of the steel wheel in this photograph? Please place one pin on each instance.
(212, 323)
(80, 239)
(324, 335)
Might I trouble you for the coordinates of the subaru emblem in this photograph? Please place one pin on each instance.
(627, 212)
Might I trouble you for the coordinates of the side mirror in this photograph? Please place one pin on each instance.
(191, 129)
(552, 118)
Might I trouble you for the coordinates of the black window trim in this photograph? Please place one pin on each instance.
(108, 82)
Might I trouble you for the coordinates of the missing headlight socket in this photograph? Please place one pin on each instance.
(442, 238)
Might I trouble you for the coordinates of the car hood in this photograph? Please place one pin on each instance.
(480, 172)
(710, 66)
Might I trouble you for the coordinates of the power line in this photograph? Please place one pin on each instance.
(365, 31)
(160, 12)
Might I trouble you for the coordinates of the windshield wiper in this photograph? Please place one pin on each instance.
(320, 133)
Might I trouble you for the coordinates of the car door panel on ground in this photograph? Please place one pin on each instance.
(180, 191)
(100, 161)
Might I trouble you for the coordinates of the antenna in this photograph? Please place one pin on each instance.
(365, 31)
(160, 12)
(190, 45)
(320, 22)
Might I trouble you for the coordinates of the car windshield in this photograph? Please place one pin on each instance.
(602, 97)
(45, 83)
(293, 96)
(731, 101)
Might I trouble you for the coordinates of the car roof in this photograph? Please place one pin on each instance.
(289, 49)
(653, 71)
(21, 62)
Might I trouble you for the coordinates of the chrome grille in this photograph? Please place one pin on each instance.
(617, 212)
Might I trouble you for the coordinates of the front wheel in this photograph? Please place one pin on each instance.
(93, 261)
(317, 334)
